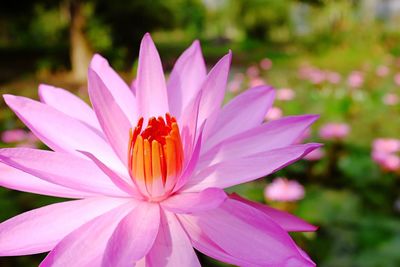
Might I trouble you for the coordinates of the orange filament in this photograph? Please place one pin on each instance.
(155, 155)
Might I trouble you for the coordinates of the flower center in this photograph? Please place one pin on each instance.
(155, 156)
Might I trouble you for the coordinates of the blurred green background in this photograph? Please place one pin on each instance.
(339, 59)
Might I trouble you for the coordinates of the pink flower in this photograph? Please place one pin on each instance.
(274, 113)
(333, 77)
(391, 163)
(382, 71)
(257, 81)
(282, 189)
(266, 63)
(252, 71)
(315, 155)
(386, 145)
(14, 136)
(397, 79)
(149, 185)
(334, 131)
(285, 94)
(390, 99)
(355, 79)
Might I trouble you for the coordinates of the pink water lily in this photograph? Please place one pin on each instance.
(147, 167)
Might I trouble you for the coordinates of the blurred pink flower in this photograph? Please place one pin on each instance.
(273, 113)
(285, 94)
(334, 131)
(148, 187)
(391, 163)
(252, 71)
(14, 136)
(382, 71)
(386, 145)
(256, 81)
(266, 63)
(397, 79)
(315, 155)
(390, 99)
(355, 79)
(333, 77)
(284, 190)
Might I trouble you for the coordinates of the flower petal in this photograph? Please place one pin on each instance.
(112, 119)
(39, 230)
(241, 170)
(120, 91)
(62, 169)
(125, 184)
(285, 220)
(213, 88)
(61, 132)
(90, 238)
(68, 103)
(272, 135)
(134, 236)
(244, 112)
(256, 239)
(18, 180)
(207, 199)
(172, 246)
(151, 91)
(186, 79)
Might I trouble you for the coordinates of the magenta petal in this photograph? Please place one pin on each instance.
(60, 131)
(68, 103)
(186, 79)
(172, 247)
(151, 91)
(286, 220)
(119, 90)
(112, 119)
(133, 237)
(85, 246)
(18, 180)
(213, 88)
(257, 239)
(241, 170)
(244, 112)
(62, 169)
(41, 229)
(272, 135)
(207, 199)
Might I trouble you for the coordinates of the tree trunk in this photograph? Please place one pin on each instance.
(80, 52)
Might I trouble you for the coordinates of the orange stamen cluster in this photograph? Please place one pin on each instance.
(155, 154)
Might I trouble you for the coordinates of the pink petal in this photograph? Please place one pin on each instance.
(62, 169)
(172, 247)
(61, 132)
(68, 103)
(237, 171)
(186, 79)
(41, 229)
(112, 119)
(125, 184)
(271, 135)
(133, 237)
(18, 180)
(207, 199)
(120, 91)
(285, 220)
(241, 114)
(85, 246)
(151, 91)
(189, 127)
(213, 88)
(206, 246)
(248, 234)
